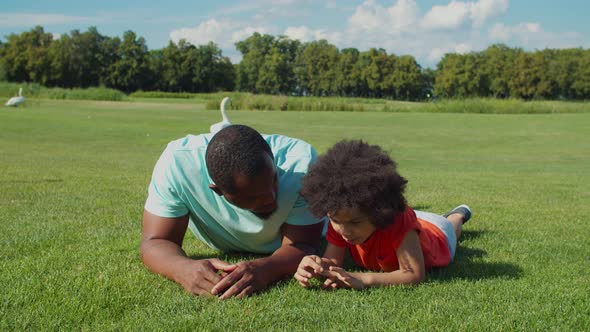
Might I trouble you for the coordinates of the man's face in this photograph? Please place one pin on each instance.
(257, 194)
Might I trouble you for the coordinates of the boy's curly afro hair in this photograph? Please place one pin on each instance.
(354, 174)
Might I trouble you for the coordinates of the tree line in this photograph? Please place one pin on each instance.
(501, 72)
(279, 65)
(90, 59)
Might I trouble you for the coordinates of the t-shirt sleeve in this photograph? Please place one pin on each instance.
(300, 215)
(333, 237)
(163, 199)
(404, 223)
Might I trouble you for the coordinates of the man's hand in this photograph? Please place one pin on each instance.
(310, 267)
(243, 280)
(161, 251)
(338, 277)
(198, 277)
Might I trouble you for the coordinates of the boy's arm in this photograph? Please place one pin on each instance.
(411, 266)
(335, 254)
(251, 276)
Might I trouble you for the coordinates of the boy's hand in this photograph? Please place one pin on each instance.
(338, 277)
(310, 267)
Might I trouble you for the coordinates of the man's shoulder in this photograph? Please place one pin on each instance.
(189, 142)
(289, 149)
(185, 155)
(277, 139)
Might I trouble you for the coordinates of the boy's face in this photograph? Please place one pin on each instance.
(354, 225)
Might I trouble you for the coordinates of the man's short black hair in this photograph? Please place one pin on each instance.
(354, 174)
(236, 150)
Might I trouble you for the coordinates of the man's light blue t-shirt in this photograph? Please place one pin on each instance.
(180, 186)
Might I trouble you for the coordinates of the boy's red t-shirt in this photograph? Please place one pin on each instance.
(378, 252)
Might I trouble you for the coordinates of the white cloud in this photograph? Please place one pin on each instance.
(372, 17)
(210, 30)
(247, 32)
(503, 32)
(399, 27)
(450, 16)
(306, 34)
(457, 13)
(403, 29)
(524, 32)
(403, 15)
(367, 16)
(13, 20)
(531, 35)
(463, 48)
(485, 9)
(223, 33)
(500, 32)
(302, 33)
(435, 54)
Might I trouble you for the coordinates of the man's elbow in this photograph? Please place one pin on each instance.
(144, 249)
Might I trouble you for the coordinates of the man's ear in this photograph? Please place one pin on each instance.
(216, 189)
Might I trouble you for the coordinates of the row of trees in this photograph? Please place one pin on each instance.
(500, 71)
(279, 65)
(91, 59)
(284, 66)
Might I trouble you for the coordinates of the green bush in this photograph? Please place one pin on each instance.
(34, 90)
(162, 94)
(283, 103)
(86, 94)
(252, 102)
(503, 106)
(2, 72)
(205, 97)
(8, 90)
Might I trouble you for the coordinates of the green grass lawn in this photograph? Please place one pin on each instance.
(74, 176)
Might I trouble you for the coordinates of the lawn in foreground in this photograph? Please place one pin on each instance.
(74, 175)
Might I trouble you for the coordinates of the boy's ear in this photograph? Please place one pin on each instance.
(216, 189)
(385, 216)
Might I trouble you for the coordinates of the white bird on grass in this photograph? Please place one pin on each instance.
(15, 101)
(220, 125)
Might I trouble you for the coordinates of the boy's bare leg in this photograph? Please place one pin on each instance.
(458, 216)
(457, 220)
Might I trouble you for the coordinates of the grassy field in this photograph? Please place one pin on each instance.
(74, 175)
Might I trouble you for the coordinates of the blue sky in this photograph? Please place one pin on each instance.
(425, 29)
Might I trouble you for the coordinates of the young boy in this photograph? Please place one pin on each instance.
(357, 187)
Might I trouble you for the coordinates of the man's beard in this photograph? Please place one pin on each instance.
(265, 215)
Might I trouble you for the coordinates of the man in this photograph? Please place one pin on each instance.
(237, 191)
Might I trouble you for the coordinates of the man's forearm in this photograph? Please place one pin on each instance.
(163, 257)
(284, 261)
